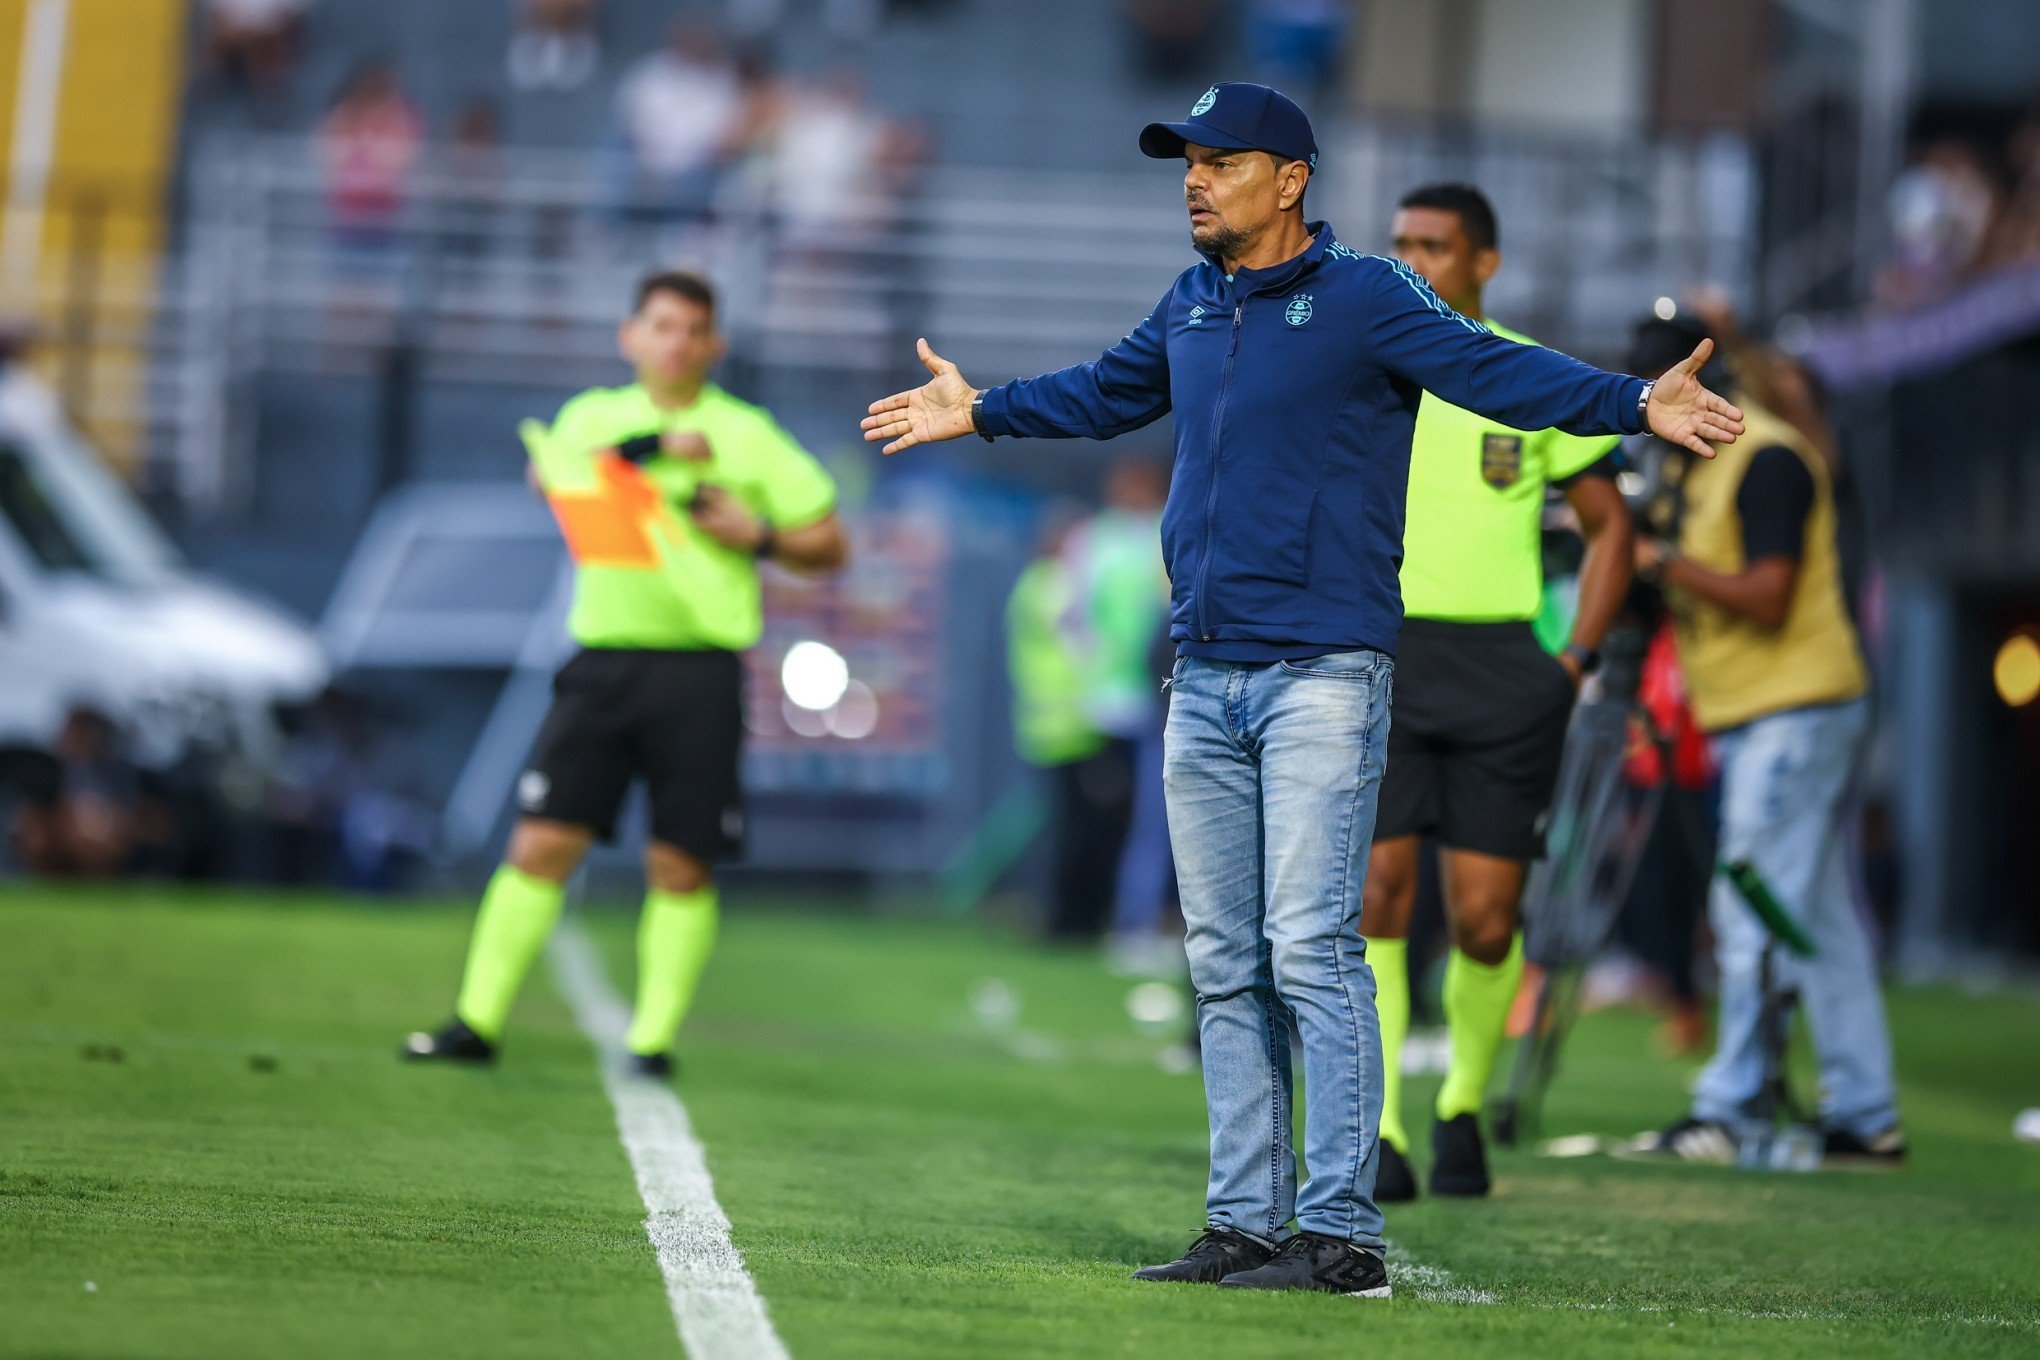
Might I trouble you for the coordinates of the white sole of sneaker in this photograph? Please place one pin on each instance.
(1379, 1292)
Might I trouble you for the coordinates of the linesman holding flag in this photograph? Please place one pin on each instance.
(669, 492)
(1294, 366)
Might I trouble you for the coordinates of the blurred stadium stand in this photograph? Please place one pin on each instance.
(276, 387)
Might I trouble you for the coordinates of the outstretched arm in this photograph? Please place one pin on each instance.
(1418, 336)
(1123, 389)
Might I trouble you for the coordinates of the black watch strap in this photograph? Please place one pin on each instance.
(1588, 659)
(977, 417)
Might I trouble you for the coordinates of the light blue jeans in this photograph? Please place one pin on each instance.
(1272, 772)
(1784, 786)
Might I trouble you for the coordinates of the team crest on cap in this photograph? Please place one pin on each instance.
(1204, 103)
(1298, 310)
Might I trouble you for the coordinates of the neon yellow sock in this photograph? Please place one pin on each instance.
(1390, 960)
(518, 912)
(675, 935)
(1477, 1000)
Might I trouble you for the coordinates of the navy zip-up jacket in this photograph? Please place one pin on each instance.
(1295, 391)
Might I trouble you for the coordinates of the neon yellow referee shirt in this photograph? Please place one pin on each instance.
(1471, 541)
(645, 574)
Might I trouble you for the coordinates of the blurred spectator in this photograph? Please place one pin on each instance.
(1296, 44)
(1661, 917)
(1171, 38)
(477, 142)
(367, 145)
(2018, 238)
(252, 46)
(838, 163)
(554, 46)
(83, 808)
(1125, 609)
(475, 161)
(1777, 679)
(1943, 206)
(681, 110)
(1091, 773)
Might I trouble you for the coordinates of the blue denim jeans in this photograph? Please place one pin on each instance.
(1272, 772)
(1784, 784)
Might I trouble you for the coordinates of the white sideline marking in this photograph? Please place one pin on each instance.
(1433, 1284)
(715, 1303)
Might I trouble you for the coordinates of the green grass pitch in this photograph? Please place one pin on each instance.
(209, 1149)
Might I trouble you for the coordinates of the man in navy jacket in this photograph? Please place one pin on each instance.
(1293, 365)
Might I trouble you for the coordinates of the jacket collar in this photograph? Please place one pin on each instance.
(1277, 277)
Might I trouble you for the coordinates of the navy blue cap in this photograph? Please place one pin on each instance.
(1239, 117)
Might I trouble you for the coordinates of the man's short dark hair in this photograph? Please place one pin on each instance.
(1476, 214)
(681, 284)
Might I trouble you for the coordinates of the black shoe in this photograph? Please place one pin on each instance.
(1689, 1140)
(455, 1043)
(1458, 1160)
(1218, 1253)
(655, 1066)
(1885, 1151)
(1329, 1265)
(1394, 1182)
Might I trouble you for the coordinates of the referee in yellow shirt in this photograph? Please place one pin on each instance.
(669, 493)
(1480, 711)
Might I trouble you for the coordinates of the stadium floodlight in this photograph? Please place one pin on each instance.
(814, 675)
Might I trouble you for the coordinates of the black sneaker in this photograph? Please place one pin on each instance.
(455, 1043)
(1885, 1151)
(654, 1066)
(1458, 1161)
(1218, 1253)
(1329, 1265)
(1394, 1182)
(1689, 1140)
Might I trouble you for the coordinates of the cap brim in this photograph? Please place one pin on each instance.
(1165, 141)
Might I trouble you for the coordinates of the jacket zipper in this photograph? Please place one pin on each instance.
(1211, 497)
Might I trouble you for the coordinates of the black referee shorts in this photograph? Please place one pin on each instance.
(1474, 738)
(672, 719)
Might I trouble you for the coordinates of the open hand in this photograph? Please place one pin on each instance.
(1683, 412)
(938, 409)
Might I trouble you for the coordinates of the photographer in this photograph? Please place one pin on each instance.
(1777, 678)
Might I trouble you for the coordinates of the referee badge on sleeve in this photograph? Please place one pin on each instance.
(1501, 460)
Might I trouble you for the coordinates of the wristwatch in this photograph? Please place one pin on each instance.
(1588, 659)
(1643, 401)
(977, 417)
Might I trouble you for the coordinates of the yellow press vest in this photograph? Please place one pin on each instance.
(1736, 669)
